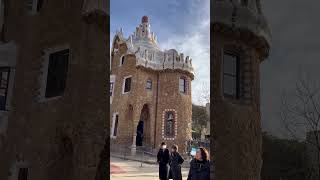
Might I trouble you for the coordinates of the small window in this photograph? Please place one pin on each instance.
(4, 83)
(244, 3)
(23, 174)
(115, 126)
(182, 85)
(231, 75)
(121, 60)
(33, 6)
(127, 85)
(111, 88)
(169, 124)
(149, 84)
(57, 73)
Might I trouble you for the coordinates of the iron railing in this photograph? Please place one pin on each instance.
(144, 155)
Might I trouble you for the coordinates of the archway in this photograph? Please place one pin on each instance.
(143, 136)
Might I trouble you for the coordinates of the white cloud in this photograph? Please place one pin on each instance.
(196, 44)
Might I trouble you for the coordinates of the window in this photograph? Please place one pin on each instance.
(182, 85)
(121, 60)
(169, 124)
(33, 6)
(231, 75)
(111, 88)
(4, 82)
(23, 174)
(149, 84)
(244, 3)
(57, 73)
(127, 84)
(115, 125)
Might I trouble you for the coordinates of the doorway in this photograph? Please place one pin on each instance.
(142, 137)
(139, 138)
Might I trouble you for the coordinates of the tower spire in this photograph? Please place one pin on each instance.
(145, 19)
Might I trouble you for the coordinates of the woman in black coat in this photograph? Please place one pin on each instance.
(175, 163)
(163, 158)
(200, 166)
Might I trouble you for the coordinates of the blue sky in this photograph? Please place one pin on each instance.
(179, 24)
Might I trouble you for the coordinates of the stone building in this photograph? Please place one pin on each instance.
(241, 41)
(150, 91)
(53, 99)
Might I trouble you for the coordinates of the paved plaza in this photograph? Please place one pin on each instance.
(128, 170)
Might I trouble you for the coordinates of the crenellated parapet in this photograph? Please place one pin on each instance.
(245, 18)
(95, 6)
(143, 44)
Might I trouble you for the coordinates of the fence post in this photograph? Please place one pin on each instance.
(142, 157)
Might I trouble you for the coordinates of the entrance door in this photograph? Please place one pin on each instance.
(139, 138)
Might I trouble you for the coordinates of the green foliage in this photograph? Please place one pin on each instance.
(199, 115)
(282, 158)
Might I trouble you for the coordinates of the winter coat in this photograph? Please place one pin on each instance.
(163, 158)
(199, 170)
(175, 166)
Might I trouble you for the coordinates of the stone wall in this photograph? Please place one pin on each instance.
(236, 122)
(168, 95)
(60, 138)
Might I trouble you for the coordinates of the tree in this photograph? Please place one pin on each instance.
(199, 118)
(282, 158)
(300, 115)
(204, 94)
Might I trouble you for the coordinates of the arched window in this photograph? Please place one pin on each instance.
(169, 124)
(4, 85)
(126, 87)
(121, 60)
(183, 84)
(244, 3)
(258, 4)
(231, 75)
(115, 124)
(149, 84)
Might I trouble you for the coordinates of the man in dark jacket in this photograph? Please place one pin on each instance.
(163, 158)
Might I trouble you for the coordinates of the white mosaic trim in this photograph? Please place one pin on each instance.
(175, 123)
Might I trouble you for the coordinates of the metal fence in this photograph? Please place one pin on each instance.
(144, 155)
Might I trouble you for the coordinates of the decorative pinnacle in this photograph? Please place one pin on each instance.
(145, 19)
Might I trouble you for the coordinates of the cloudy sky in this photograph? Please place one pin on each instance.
(181, 25)
(294, 54)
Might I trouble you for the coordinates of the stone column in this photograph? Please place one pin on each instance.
(133, 146)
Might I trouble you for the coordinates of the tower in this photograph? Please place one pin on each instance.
(54, 103)
(150, 92)
(241, 41)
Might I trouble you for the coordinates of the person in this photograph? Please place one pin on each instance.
(200, 166)
(175, 163)
(163, 160)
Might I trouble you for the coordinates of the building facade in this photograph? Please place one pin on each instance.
(53, 58)
(150, 92)
(241, 41)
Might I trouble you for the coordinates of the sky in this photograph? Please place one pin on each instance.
(181, 25)
(294, 55)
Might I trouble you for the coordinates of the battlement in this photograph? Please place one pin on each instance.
(143, 44)
(95, 6)
(164, 60)
(243, 14)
